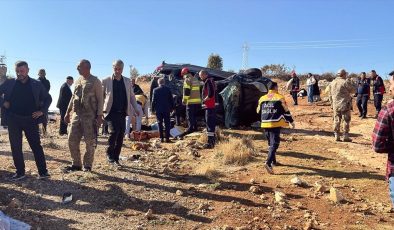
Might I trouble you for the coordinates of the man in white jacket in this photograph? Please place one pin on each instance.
(310, 82)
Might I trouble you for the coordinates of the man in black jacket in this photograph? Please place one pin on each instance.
(26, 102)
(63, 101)
(47, 85)
(378, 91)
(163, 104)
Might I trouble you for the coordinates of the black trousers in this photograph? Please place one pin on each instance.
(191, 113)
(273, 137)
(377, 99)
(164, 117)
(63, 125)
(17, 125)
(295, 98)
(116, 128)
(362, 103)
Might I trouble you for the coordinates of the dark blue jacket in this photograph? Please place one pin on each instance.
(162, 101)
(41, 97)
(363, 87)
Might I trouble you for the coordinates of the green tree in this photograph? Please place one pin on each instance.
(215, 62)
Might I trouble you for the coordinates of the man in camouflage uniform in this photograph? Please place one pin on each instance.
(340, 95)
(87, 106)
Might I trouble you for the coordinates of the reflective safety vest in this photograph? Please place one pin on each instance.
(274, 111)
(191, 90)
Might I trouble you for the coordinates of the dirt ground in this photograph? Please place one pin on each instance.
(189, 188)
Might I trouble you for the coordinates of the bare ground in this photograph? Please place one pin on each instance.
(196, 190)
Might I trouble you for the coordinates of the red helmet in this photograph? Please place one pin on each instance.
(184, 71)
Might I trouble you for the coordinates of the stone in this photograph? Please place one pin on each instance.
(297, 181)
(252, 181)
(320, 188)
(15, 203)
(308, 225)
(149, 214)
(280, 197)
(225, 227)
(179, 192)
(263, 197)
(254, 189)
(256, 219)
(203, 207)
(336, 196)
(173, 158)
(176, 206)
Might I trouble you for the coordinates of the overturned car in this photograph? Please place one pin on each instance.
(237, 94)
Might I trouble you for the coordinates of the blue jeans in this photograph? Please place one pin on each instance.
(310, 93)
(391, 188)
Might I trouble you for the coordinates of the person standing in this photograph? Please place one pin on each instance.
(65, 95)
(363, 92)
(382, 137)
(295, 86)
(274, 116)
(136, 88)
(310, 82)
(118, 99)
(340, 95)
(209, 102)
(3, 78)
(192, 100)
(142, 108)
(316, 90)
(86, 105)
(26, 102)
(47, 85)
(162, 105)
(378, 91)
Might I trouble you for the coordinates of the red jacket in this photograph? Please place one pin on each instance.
(209, 92)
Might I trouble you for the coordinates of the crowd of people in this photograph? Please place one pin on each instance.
(116, 101)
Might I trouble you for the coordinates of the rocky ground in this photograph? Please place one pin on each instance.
(321, 184)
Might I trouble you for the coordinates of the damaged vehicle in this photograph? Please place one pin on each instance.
(237, 93)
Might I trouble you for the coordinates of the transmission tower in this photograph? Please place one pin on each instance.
(245, 55)
(2, 59)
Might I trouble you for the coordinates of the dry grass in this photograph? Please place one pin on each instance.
(237, 151)
(218, 134)
(50, 144)
(209, 170)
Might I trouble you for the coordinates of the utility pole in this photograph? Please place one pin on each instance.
(245, 55)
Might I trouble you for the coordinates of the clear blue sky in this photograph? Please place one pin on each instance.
(310, 35)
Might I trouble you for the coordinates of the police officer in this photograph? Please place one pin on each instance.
(87, 107)
(191, 98)
(340, 95)
(209, 101)
(274, 116)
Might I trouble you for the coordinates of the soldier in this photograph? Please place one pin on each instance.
(192, 100)
(340, 95)
(87, 106)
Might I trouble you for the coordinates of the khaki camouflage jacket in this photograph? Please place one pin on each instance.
(340, 94)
